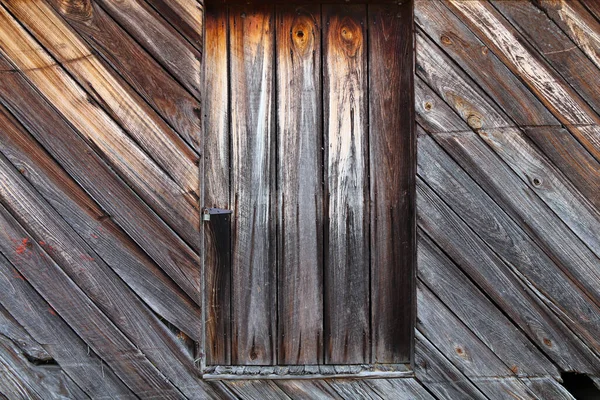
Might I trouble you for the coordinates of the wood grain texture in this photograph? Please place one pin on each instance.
(186, 16)
(119, 202)
(299, 185)
(62, 343)
(435, 372)
(547, 388)
(347, 329)
(401, 389)
(102, 34)
(252, 133)
(308, 390)
(500, 283)
(177, 206)
(160, 39)
(216, 181)
(392, 170)
(103, 235)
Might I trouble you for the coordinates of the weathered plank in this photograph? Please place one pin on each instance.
(345, 105)
(547, 388)
(461, 346)
(111, 193)
(501, 283)
(217, 276)
(549, 40)
(61, 342)
(71, 303)
(483, 66)
(299, 185)
(21, 379)
(160, 39)
(439, 375)
(400, 389)
(107, 89)
(545, 83)
(186, 17)
(257, 390)
(32, 350)
(142, 275)
(478, 313)
(354, 389)
(308, 389)
(252, 133)
(136, 66)
(177, 206)
(392, 170)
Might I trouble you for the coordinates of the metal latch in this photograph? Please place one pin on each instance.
(207, 212)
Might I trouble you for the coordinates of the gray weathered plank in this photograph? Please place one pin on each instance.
(308, 389)
(86, 218)
(547, 388)
(439, 375)
(10, 329)
(299, 185)
(345, 105)
(392, 170)
(257, 390)
(252, 133)
(399, 389)
(217, 278)
(62, 343)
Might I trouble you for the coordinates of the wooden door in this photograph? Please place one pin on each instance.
(309, 141)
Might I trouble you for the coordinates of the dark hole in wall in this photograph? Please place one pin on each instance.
(580, 386)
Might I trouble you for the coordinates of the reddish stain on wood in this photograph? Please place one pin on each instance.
(23, 246)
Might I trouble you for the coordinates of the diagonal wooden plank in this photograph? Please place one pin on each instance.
(61, 342)
(308, 389)
(28, 346)
(478, 313)
(98, 179)
(399, 389)
(186, 16)
(547, 388)
(549, 87)
(391, 174)
(86, 218)
(434, 371)
(252, 39)
(177, 206)
(178, 107)
(256, 390)
(346, 285)
(130, 111)
(160, 39)
(299, 183)
(503, 284)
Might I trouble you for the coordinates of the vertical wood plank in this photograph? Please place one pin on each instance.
(300, 192)
(392, 171)
(347, 233)
(252, 134)
(217, 287)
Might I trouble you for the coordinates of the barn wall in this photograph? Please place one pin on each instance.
(99, 151)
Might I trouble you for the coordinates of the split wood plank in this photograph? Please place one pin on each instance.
(526, 161)
(345, 102)
(119, 251)
(160, 39)
(436, 373)
(161, 355)
(186, 16)
(450, 33)
(102, 34)
(308, 389)
(252, 40)
(299, 185)
(461, 346)
(549, 87)
(547, 388)
(502, 284)
(98, 179)
(22, 379)
(61, 342)
(216, 180)
(177, 206)
(478, 313)
(553, 44)
(34, 263)
(108, 90)
(10, 329)
(392, 170)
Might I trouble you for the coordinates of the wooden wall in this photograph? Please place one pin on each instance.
(100, 145)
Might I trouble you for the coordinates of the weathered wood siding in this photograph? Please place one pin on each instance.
(101, 109)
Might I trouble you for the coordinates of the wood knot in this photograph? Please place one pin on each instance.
(460, 351)
(302, 35)
(446, 41)
(80, 10)
(474, 121)
(537, 182)
(514, 369)
(427, 106)
(350, 37)
(548, 342)
(484, 50)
